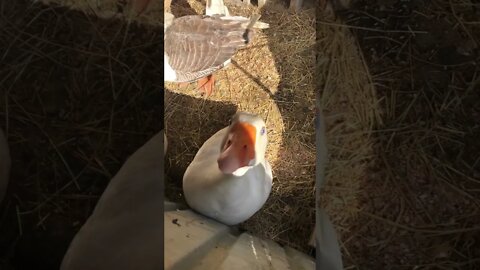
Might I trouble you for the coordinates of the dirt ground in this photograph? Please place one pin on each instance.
(420, 202)
(78, 95)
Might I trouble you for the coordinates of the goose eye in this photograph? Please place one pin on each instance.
(262, 131)
(245, 147)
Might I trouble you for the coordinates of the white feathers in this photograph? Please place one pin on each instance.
(169, 74)
(216, 7)
(228, 198)
(257, 25)
(167, 20)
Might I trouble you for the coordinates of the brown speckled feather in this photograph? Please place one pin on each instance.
(199, 45)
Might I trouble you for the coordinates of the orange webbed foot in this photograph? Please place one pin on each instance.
(205, 85)
(184, 84)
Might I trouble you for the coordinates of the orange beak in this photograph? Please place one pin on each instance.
(238, 149)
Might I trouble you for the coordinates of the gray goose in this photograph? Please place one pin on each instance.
(196, 46)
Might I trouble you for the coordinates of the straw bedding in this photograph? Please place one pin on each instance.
(417, 204)
(78, 95)
(349, 102)
(274, 77)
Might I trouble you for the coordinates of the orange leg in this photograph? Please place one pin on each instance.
(205, 85)
(184, 84)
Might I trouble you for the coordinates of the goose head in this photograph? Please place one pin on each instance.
(244, 145)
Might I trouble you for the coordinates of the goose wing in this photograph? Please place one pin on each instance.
(198, 45)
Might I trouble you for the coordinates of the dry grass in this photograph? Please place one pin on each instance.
(402, 182)
(350, 106)
(109, 9)
(273, 78)
(416, 202)
(78, 95)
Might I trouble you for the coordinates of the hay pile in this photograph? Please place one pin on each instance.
(108, 9)
(350, 107)
(78, 95)
(420, 205)
(273, 78)
(418, 201)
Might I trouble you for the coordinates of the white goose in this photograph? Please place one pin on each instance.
(229, 179)
(196, 46)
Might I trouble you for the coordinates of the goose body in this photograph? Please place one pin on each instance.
(196, 46)
(226, 182)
